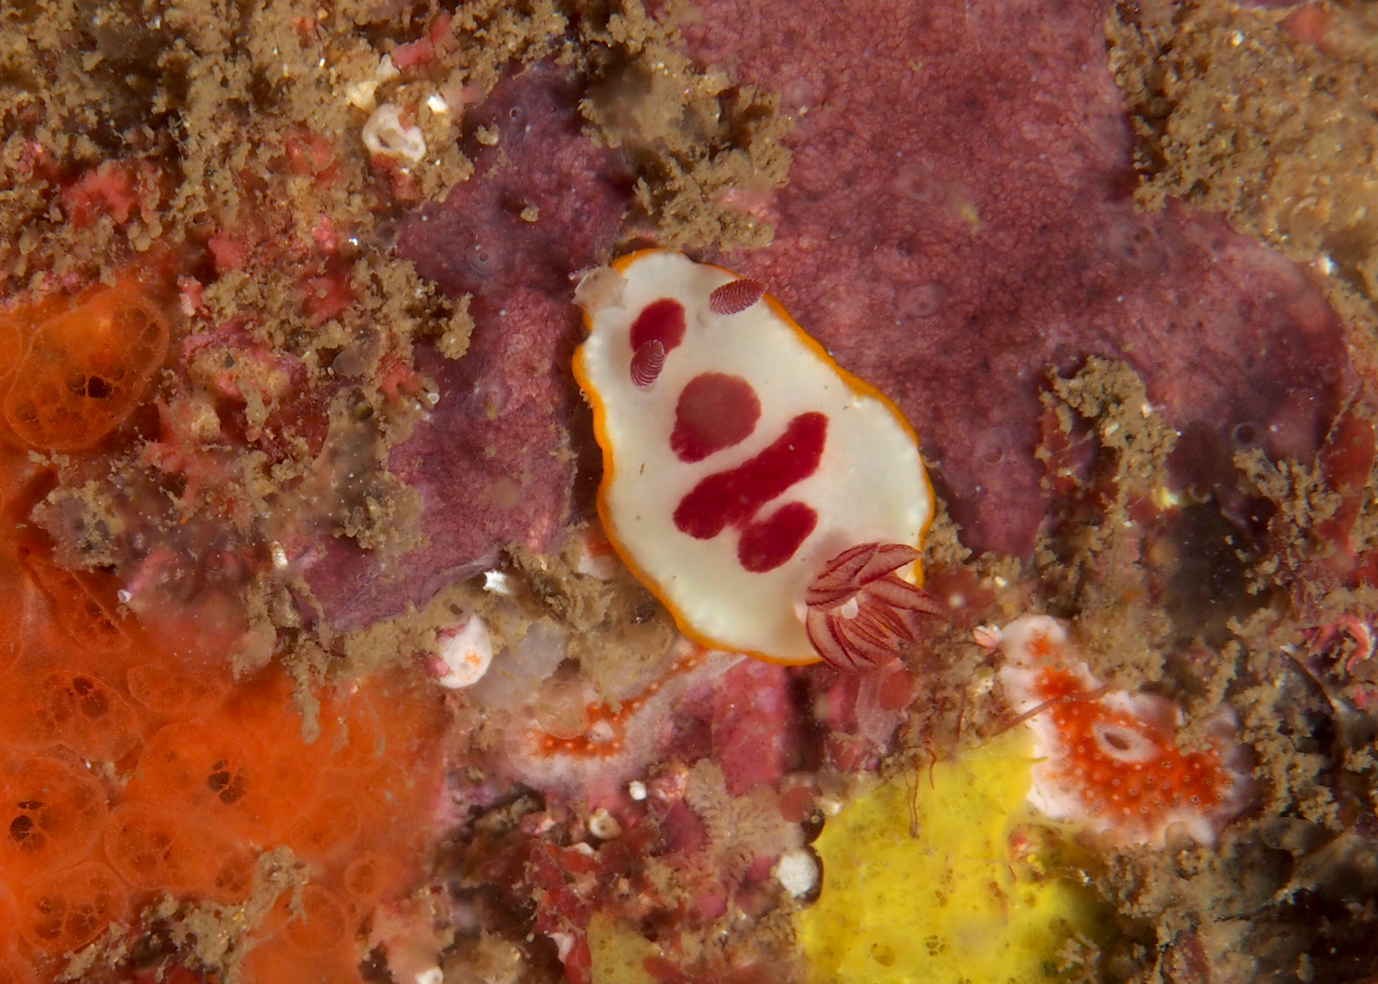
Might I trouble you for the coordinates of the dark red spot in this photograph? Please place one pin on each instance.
(733, 497)
(714, 411)
(766, 545)
(660, 321)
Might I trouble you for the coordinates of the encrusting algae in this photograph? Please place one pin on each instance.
(935, 879)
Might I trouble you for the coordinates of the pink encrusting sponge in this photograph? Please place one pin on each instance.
(1109, 759)
(772, 501)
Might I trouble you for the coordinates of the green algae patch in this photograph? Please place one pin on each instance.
(935, 879)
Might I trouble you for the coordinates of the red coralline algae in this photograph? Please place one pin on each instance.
(498, 431)
(958, 218)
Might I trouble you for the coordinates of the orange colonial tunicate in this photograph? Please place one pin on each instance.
(350, 731)
(18, 601)
(160, 849)
(166, 689)
(15, 970)
(327, 830)
(364, 880)
(11, 346)
(51, 813)
(80, 712)
(320, 923)
(278, 961)
(207, 773)
(70, 908)
(308, 938)
(151, 847)
(76, 608)
(86, 368)
(208, 767)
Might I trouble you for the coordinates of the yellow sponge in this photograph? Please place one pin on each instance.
(930, 881)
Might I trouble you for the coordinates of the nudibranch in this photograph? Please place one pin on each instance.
(771, 500)
(1109, 759)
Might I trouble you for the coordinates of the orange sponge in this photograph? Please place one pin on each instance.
(86, 368)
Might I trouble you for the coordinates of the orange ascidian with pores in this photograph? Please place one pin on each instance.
(773, 502)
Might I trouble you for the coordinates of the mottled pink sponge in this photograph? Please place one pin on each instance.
(958, 219)
(493, 464)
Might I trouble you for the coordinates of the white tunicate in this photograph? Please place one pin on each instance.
(466, 652)
(384, 134)
(636, 789)
(797, 872)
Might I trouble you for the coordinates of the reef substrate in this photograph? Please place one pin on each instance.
(288, 434)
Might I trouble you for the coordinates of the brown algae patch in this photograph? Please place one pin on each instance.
(1266, 116)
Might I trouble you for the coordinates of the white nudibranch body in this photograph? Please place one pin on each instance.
(772, 501)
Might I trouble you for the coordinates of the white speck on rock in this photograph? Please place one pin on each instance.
(385, 135)
(604, 825)
(797, 872)
(498, 583)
